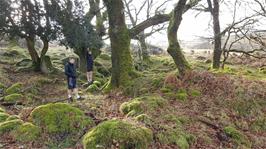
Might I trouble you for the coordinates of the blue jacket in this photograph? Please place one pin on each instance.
(70, 70)
(89, 59)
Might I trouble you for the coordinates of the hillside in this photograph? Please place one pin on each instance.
(206, 109)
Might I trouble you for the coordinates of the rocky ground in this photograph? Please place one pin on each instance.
(207, 109)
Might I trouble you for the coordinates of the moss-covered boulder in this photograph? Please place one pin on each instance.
(133, 107)
(119, 134)
(12, 117)
(142, 104)
(97, 83)
(237, 136)
(92, 88)
(3, 116)
(15, 88)
(13, 98)
(27, 132)
(8, 126)
(61, 122)
(175, 136)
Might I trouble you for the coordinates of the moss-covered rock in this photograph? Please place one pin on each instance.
(144, 118)
(15, 88)
(134, 107)
(8, 126)
(97, 83)
(175, 136)
(142, 104)
(13, 117)
(27, 132)
(92, 88)
(237, 136)
(3, 117)
(61, 122)
(121, 134)
(13, 98)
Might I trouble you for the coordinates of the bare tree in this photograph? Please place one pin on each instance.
(242, 32)
(148, 8)
(214, 9)
(174, 48)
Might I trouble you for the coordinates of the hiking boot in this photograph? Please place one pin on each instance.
(90, 83)
(70, 99)
(80, 98)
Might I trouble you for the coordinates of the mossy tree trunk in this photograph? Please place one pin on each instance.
(217, 33)
(174, 48)
(40, 63)
(45, 61)
(36, 61)
(215, 12)
(120, 44)
(82, 53)
(144, 48)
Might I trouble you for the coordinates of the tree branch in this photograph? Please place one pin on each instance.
(158, 19)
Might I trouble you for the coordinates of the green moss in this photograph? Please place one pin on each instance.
(97, 83)
(13, 98)
(165, 90)
(144, 118)
(174, 119)
(237, 136)
(182, 95)
(105, 57)
(142, 104)
(13, 117)
(92, 88)
(117, 133)
(175, 136)
(3, 117)
(2, 110)
(8, 126)
(134, 107)
(60, 119)
(2, 86)
(195, 93)
(15, 88)
(259, 125)
(27, 132)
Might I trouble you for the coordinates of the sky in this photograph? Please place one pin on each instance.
(195, 25)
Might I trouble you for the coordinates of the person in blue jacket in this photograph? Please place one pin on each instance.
(89, 67)
(70, 72)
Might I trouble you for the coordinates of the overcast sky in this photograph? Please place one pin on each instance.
(195, 25)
